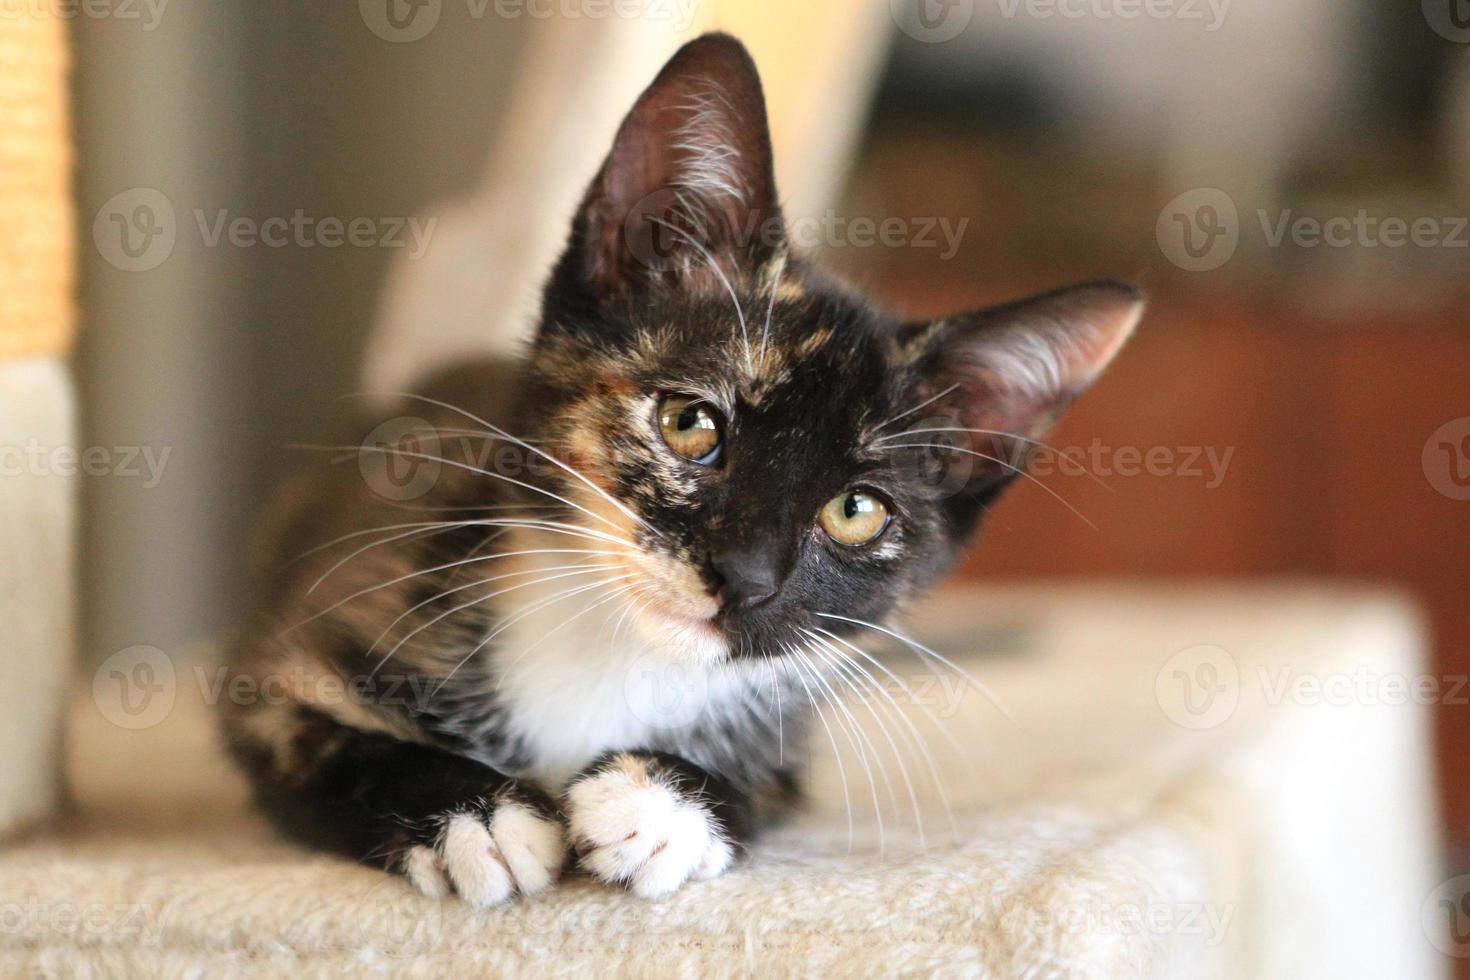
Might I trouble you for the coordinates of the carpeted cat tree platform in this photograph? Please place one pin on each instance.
(1167, 800)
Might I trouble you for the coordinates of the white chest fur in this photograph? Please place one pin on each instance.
(580, 679)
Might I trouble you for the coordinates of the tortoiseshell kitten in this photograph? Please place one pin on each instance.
(716, 475)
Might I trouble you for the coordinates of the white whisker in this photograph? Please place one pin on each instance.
(860, 742)
(995, 459)
(923, 404)
(998, 433)
(846, 664)
(544, 455)
(387, 451)
(836, 754)
(917, 646)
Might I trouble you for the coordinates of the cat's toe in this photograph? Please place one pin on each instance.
(633, 830)
(516, 851)
(533, 847)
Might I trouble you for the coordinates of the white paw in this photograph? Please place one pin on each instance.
(519, 852)
(631, 829)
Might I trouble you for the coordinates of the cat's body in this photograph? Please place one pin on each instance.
(593, 597)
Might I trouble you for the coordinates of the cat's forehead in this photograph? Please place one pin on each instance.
(792, 352)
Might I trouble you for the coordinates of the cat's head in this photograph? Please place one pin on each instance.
(773, 447)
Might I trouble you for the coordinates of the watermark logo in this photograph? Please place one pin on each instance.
(1445, 917)
(35, 458)
(1206, 923)
(1446, 459)
(937, 455)
(136, 229)
(400, 459)
(1199, 230)
(29, 919)
(932, 21)
(678, 13)
(304, 230)
(1211, 13)
(1198, 687)
(661, 234)
(400, 21)
(135, 687)
(394, 917)
(665, 694)
(147, 12)
(1450, 19)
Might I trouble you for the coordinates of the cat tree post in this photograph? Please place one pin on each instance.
(38, 457)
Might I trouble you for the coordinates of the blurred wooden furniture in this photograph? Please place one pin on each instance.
(1326, 423)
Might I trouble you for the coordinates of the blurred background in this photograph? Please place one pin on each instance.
(1290, 179)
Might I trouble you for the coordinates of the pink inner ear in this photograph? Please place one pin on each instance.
(691, 160)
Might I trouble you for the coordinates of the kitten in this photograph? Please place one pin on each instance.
(722, 470)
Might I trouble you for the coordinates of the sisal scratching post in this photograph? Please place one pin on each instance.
(37, 443)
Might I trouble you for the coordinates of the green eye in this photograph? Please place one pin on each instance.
(854, 518)
(690, 427)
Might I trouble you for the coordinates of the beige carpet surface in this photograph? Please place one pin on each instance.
(1112, 826)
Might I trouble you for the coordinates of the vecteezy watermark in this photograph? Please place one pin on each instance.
(1207, 922)
(1200, 230)
(658, 231)
(1207, 463)
(404, 21)
(414, 693)
(138, 229)
(1209, 13)
(831, 230)
(149, 13)
(1445, 917)
(400, 21)
(1201, 687)
(665, 695)
(135, 687)
(948, 454)
(404, 457)
(1446, 459)
(1198, 687)
(1362, 685)
(932, 21)
(304, 230)
(941, 695)
(30, 920)
(1450, 19)
(34, 458)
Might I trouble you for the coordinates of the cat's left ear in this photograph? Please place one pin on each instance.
(1006, 373)
(689, 182)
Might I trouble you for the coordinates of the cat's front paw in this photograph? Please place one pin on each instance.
(487, 855)
(633, 825)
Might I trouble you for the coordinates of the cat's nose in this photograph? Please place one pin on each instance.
(743, 579)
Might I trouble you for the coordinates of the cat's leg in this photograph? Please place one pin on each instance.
(652, 821)
(449, 824)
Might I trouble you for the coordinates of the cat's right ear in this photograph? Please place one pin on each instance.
(687, 195)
